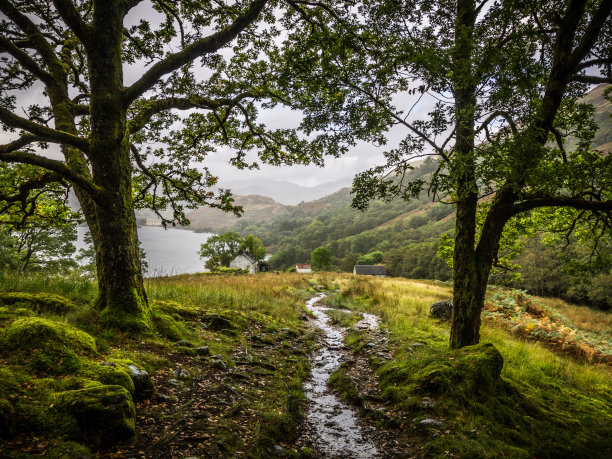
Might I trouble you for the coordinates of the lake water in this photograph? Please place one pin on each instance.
(169, 251)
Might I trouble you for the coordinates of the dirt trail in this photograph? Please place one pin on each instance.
(332, 427)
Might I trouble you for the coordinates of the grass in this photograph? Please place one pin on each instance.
(255, 323)
(544, 405)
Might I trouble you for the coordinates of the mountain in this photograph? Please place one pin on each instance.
(286, 192)
(256, 209)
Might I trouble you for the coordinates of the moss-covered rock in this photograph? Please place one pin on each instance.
(39, 302)
(100, 415)
(67, 449)
(47, 346)
(14, 312)
(464, 372)
(169, 327)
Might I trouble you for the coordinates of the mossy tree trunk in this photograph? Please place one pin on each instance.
(122, 297)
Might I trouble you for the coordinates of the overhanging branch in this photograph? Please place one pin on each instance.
(206, 45)
(43, 132)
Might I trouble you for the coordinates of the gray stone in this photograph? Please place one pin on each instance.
(181, 373)
(174, 382)
(442, 310)
(167, 398)
(108, 364)
(184, 343)
(426, 404)
(144, 388)
(203, 350)
(431, 423)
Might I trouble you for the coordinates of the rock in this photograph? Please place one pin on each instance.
(219, 364)
(431, 423)
(278, 450)
(184, 343)
(174, 382)
(426, 404)
(144, 388)
(167, 398)
(442, 310)
(181, 373)
(109, 364)
(203, 350)
(218, 322)
(101, 415)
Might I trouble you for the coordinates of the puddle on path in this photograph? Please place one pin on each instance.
(331, 422)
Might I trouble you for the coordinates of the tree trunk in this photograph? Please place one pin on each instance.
(121, 297)
(468, 293)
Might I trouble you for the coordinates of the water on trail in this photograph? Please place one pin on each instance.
(331, 422)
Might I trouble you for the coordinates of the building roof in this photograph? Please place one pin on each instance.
(370, 270)
(299, 266)
(247, 255)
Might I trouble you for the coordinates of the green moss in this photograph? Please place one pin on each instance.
(7, 417)
(39, 302)
(464, 372)
(47, 346)
(108, 375)
(14, 312)
(129, 314)
(169, 327)
(67, 449)
(100, 415)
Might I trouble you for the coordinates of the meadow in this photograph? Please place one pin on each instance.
(243, 395)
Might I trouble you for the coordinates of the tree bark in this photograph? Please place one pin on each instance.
(468, 292)
(121, 298)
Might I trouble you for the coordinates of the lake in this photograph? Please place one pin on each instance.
(169, 252)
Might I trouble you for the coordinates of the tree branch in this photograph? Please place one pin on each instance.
(45, 133)
(591, 79)
(182, 103)
(73, 19)
(21, 142)
(35, 38)
(36, 183)
(25, 60)
(561, 201)
(210, 44)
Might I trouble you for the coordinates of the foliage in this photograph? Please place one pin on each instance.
(321, 258)
(372, 258)
(498, 132)
(223, 248)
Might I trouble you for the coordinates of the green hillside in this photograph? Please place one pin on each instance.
(408, 234)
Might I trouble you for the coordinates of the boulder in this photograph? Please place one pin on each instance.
(203, 350)
(144, 388)
(442, 310)
(100, 415)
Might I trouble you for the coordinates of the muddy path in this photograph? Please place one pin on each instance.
(332, 427)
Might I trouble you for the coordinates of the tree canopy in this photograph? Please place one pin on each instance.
(121, 99)
(489, 88)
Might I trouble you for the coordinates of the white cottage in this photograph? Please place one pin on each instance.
(303, 268)
(245, 260)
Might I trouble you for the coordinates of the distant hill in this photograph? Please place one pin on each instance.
(256, 209)
(286, 192)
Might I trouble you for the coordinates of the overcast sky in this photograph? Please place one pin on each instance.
(359, 158)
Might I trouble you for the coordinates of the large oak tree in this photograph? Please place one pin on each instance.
(490, 88)
(201, 78)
